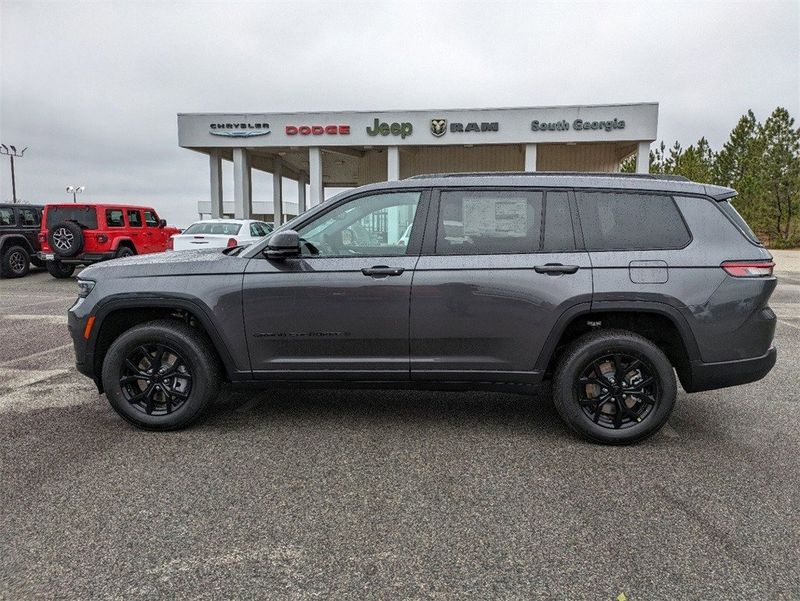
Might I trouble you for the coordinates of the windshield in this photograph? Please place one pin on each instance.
(225, 229)
(86, 217)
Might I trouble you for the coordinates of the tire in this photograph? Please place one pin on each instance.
(143, 401)
(65, 238)
(15, 262)
(124, 251)
(633, 409)
(59, 270)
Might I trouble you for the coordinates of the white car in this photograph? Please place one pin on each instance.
(220, 233)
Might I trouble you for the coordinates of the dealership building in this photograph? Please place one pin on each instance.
(347, 149)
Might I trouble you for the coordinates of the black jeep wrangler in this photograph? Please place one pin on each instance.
(19, 239)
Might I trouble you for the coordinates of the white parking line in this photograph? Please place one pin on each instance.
(58, 319)
(17, 378)
(35, 355)
(791, 325)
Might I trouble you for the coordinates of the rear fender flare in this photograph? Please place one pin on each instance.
(587, 309)
(16, 240)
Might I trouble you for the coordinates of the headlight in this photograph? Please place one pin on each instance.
(85, 287)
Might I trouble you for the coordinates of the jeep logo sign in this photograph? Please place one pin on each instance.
(396, 129)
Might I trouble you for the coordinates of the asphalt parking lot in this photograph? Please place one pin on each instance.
(387, 495)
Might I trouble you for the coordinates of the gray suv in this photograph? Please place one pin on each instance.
(606, 284)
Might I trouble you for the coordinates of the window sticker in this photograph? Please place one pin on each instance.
(495, 217)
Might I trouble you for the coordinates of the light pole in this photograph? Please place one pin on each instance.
(11, 151)
(75, 190)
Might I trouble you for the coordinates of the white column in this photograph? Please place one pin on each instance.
(643, 158)
(277, 190)
(315, 176)
(530, 157)
(392, 164)
(242, 185)
(215, 166)
(301, 193)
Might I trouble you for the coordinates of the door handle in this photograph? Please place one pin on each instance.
(555, 268)
(382, 271)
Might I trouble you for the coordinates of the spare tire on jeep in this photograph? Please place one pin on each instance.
(65, 238)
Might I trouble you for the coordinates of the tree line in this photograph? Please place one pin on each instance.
(760, 160)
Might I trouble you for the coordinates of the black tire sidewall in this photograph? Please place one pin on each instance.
(59, 270)
(575, 359)
(6, 268)
(189, 344)
(77, 242)
(124, 251)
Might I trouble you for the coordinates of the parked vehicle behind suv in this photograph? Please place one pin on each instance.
(606, 284)
(19, 241)
(220, 233)
(74, 234)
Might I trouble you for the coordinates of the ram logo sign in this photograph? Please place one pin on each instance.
(438, 127)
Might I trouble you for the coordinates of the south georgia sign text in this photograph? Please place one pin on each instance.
(577, 125)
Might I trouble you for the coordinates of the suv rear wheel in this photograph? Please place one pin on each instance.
(15, 262)
(59, 270)
(161, 375)
(614, 387)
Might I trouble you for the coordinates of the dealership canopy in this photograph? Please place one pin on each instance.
(345, 149)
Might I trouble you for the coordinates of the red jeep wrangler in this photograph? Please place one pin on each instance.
(74, 234)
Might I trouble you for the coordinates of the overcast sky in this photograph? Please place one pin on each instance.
(94, 88)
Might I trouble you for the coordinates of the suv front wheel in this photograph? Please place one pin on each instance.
(161, 375)
(614, 387)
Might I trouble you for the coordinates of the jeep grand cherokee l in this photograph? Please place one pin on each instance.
(606, 284)
(74, 234)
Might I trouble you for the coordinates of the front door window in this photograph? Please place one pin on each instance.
(370, 226)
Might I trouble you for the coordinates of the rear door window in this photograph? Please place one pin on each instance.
(86, 217)
(486, 222)
(134, 218)
(631, 221)
(114, 218)
(28, 217)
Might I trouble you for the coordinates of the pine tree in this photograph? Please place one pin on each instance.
(780, 172)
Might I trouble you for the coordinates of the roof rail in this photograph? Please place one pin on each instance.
(677, 178)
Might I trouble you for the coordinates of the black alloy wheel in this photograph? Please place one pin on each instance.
(161, 375)
(618, 390)
(155, 379)
(15, 262)
(614, 386)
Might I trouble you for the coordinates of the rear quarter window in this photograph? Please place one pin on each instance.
(732, 214)
(631, 221)
(6, 217)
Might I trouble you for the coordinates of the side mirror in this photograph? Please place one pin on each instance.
(282, 245)
(162, 223)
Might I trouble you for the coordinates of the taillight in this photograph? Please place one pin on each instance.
(232, 242)
(42, 237)
(748, 269)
